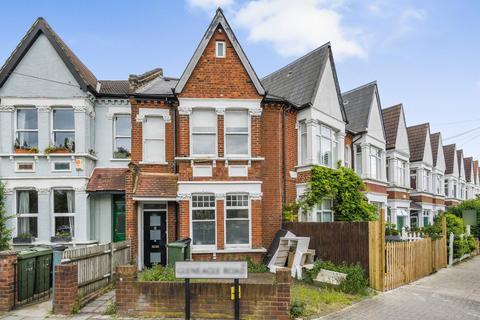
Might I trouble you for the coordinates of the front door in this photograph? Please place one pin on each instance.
(155, 237)
(119, 232)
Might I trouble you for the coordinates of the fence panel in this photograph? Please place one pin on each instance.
(96, 264)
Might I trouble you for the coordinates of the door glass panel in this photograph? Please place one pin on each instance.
(155, 235)
(150, 206)
(155, 257)
(155, 220)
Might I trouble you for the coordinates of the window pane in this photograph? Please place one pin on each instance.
(204, 121)
(123, 126)
(64, 225)
(237, 231)
(327, 204)
(303, 142)
(203, 232)
(203, 214)
(27, 119)
(63, 119)
(154, 128)
(27, 201)
(64, 139)
(327, 217)
(154, 150)
(237, 144)
(63, 201)
(203, 144)
(326, 152)
(61, 165)
(122, 150)
(237, 213)
(203, 201)
(154, 206)
(27, 226)
(236, 121)
(27, 139)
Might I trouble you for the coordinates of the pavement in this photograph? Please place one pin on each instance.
(452, 293)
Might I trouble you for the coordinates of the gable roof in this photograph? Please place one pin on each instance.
(85, 78)
(449, 153)
(459, 159)
(107, 180)
(298, 82)
(357, 104)
(391, 120)
(435, 140)
(468, 168)
(417, 137)
(219, 19)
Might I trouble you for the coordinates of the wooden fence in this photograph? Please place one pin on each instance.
(97, 264)
(336, 241)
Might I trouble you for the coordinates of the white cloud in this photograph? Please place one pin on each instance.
(208, 5)
(407, 22)
(296, 27)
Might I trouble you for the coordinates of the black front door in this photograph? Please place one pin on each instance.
(155, 238)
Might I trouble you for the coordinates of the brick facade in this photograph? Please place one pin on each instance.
(398, 195)
(8, 263)
(65, 289)
(210, 300)
(377, 188)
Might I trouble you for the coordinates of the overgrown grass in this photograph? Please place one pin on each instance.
(254, 267)
(158, 273)
(111, 309)
(308, 300)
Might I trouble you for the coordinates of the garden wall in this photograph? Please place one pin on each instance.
(209, 300)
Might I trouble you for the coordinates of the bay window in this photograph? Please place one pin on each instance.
(375, 163)
(27, 213)
(27, 128)
(447, 192)
(348, 156)
(426, 217)
(358, 159)
(64, 128)
(327, 144)
(237, 219)
(413, 178)
(324, 211)
(303, 142)
(401, 172)
(427, 175)
(153, 139)
(203, 219)
(64, 212)
(236, 132)
(203, 132)
(122, 136)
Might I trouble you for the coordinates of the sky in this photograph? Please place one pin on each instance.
(423, 54)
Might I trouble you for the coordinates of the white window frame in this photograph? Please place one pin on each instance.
(320, 210)
(226, 134)
(446, 188)
(61, 214)
(426, 214)
(249, 207)
(62, 170)
(17, 130)
(401, 168)
(52, 135)
(217, 52)
(115, 136)
(303, 134)
(145, 139)
(203, 133)
(25, 215)
(427, 174)
(17, 163)
(332, 139)
(348, 156)
(207, 247)
(375, 157)
(358, 159)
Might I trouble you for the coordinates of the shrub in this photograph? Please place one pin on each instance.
(5, 233)
(391, 229)
(297, 309)
(158, 273)
(355, 282)
(256, 267)
(472, 243)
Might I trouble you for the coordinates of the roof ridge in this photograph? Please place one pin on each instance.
(298, 59)
(400, 105)
(419, 125)
(374, 82)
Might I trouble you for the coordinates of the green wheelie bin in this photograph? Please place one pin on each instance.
(178, 251)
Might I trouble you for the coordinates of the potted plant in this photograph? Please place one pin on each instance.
(121, 153)
(23, 148)
(391, 232)
(63, 234)
(23, 238)
(68, 147)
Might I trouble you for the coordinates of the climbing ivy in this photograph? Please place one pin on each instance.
(345, 188)
(5, 233)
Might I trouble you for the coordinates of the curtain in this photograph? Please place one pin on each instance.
(70, 199)
(23, 207)
(71, 225)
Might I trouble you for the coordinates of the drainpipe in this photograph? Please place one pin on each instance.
(284, 164)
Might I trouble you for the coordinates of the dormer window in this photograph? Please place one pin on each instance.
(220, 49)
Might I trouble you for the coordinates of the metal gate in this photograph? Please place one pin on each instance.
(33, 276)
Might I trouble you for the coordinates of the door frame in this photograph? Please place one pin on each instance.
(140, 230)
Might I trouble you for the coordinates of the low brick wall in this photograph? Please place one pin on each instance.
(209, 300)
(65, 289)
(8, 262)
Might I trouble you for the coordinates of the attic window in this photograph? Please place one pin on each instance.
(220, 49)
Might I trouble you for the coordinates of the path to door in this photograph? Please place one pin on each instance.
(452, 293)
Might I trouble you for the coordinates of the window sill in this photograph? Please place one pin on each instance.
(154, 162)
(120, 160)
(229, 250)
(215, 158)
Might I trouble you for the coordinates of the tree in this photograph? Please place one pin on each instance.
(468, 205)
(345, 188)
(5, 233)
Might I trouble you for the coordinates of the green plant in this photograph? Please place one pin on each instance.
(472, 243)
(391, 229)
(63, 234)
(355, 282)
(297, 309)
(111, 309)
(345, 188)
(5, 232)
(469, 205)
(24, 236)
(256, 267)
(158, 273)
(290, 212)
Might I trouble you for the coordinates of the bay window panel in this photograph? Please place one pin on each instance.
(324, 211)
(203, 132)
(27, 226)
(236, 121)
(303, 142)
(122, 137)
(27, 128)
(154, 139)
(236, 132)
(203, 144)
(64, 128)
(27, 212)
(203, 219)
(237, 144)
(237, 219)
(63, 209)
(237, 231)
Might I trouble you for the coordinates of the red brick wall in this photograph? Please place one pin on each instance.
(291, 154)
(209, 300)
(398, 195)
(373, 187)
(8, 260)
(422, 198)
(184, 218)
(219, 77)
(220, 224)
(66, 288)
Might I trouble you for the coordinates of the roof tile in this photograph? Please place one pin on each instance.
(158, 185)
(417, 136)
(107, 179)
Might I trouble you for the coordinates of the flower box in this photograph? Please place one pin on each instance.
(25, 151)
(61, 239)
(60, 150)
(23, 240)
